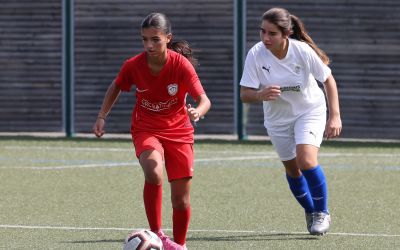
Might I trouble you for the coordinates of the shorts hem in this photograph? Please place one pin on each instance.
(149, 148)
(287, 158)
(179, 178)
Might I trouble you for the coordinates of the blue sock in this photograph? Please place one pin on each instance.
(317, 185)
(299, 188)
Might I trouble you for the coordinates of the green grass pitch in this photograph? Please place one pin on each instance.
(87, 194)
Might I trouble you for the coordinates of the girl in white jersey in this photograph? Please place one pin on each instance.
(282, 71)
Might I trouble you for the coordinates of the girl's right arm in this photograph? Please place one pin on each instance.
(250, 95)
(111, 96)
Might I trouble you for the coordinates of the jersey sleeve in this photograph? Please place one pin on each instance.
(191, 79)
(124, 78)
(318, 69)
(250, 77)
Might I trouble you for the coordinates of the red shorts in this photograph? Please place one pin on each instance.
(178, 157)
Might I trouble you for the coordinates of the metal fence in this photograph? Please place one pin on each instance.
(58, 57)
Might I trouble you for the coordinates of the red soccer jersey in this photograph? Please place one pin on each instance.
(161, 100)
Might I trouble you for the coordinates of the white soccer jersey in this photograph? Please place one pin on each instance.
(296, 74)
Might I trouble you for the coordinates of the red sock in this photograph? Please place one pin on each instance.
(180, 219)
(152, 196)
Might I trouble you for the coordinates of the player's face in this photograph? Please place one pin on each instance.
(272, 36)
(155, 41)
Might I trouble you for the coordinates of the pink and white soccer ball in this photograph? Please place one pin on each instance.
(142, 239)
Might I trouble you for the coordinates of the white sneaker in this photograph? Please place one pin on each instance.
(320, 223)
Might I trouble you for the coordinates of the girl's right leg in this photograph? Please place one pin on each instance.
(298, 185)
(151, 162)
(150, 153)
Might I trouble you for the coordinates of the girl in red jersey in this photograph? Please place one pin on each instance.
(161, 130)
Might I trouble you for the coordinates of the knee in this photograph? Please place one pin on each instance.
(292, 168)
(307, 156)
(306, 162)
(153, 171)
(153, 179)
(180, 202)
(293, 172)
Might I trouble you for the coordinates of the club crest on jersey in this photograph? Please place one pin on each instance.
(172, 89)
(297, 68)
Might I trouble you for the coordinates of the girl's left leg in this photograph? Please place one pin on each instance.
(285, 145)
(179, 166)
(299, 187)
(180, 198)
(313, 173)
(308, 163)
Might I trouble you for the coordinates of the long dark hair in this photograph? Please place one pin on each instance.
(161, 22)
(292, 25)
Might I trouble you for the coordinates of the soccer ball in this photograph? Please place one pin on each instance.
(143, 239)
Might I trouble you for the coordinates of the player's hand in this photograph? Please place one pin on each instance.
(192, 113)
(268, 94)
(98, 127)
(333, 127)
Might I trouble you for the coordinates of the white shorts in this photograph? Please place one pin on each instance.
(307, 129)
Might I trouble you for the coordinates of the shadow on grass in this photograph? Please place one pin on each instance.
(227, 238)
(94, 241)
(257, 237)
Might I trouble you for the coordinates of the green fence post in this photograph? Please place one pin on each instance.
(68, 80)
(239, 55)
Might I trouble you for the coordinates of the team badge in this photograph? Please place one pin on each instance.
(172, 89)
(297, 68)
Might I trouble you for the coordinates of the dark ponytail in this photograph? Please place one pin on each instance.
(294, 27)
(300, 33)
(161, 22)
(182, 47)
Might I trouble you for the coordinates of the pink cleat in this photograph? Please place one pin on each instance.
(169, 244)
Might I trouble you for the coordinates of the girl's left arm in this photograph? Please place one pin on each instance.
(202, 108)
(334, 124)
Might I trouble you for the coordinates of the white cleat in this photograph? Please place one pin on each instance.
(321, 223)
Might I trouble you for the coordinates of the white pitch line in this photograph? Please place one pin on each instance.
(111, 165)
(237, 158)
(192, 230)
(102, 165)
(68, 148)
(133, 163)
